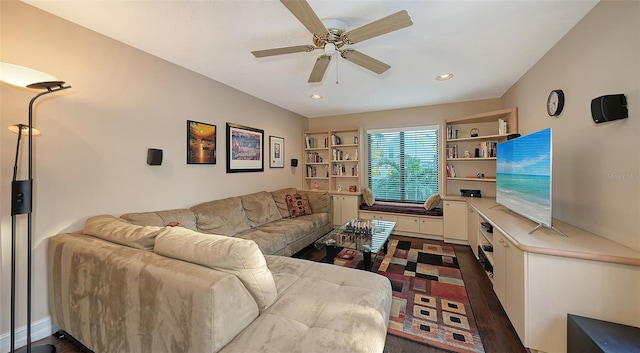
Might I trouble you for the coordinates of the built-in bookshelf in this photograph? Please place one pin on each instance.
(332, 160)
(470, 150)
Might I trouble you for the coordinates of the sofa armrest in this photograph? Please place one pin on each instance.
(144, 302)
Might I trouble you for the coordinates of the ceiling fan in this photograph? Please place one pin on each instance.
(333, 39)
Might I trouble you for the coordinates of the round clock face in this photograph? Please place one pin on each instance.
(555, 102)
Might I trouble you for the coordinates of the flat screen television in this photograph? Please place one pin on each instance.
(523, 176)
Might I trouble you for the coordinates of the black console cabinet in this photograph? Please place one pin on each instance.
(586, 335)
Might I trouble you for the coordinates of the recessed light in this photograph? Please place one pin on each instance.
(444, 77)
(315, 96)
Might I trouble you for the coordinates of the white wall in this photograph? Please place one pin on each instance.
(91, 156)
(596, 167)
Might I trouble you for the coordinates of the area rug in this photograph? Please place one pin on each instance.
(430, 303)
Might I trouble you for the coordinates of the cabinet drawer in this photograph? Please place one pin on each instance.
(378, 216)
(408, 224)
(431, 226)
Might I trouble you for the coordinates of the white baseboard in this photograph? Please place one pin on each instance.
(39, 330)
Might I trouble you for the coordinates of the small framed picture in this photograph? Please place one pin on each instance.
(201, 143)
(276, 152)
(352, 188)
(245, 149)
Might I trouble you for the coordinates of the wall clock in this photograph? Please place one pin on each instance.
(555, 102)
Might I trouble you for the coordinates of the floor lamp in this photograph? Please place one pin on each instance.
(22, 190)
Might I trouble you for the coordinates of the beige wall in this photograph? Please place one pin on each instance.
(91, 156)
(596, 168)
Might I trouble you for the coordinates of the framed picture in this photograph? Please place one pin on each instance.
(276, 152)
(245, 149)
(201, 143)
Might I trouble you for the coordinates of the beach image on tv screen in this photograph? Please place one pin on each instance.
(523, 176)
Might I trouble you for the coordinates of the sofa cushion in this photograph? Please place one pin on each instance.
(321, 308)
(279, 196)
(225, 216)
(367, 196)
(320, 201)
(185, 217)
(142, 301)
(236, 256)
(260, 208)
(432, 202)
(298, 205)
(119, 231)
(270, 243)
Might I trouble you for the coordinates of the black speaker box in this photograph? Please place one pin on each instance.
(512, 136)
(294, 162)
(154, 156)
(609, 108)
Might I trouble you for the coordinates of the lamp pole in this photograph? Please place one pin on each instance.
(21, 203)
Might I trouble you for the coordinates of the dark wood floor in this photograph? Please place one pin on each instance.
(498, 336)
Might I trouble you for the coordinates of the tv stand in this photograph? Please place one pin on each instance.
(552, 228)
(541, 278)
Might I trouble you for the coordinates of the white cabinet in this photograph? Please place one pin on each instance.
(345, 208)
(509, 279)
(473, 223)
(455, 221)
(431, 226)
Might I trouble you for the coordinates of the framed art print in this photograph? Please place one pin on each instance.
(245, 149)
(201, 143)
(276, 152)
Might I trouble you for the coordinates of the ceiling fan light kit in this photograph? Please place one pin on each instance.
(332, 35)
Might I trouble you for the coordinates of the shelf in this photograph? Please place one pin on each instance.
(479, 138)
(487, 236)
(317, 149)
(487, 180)
(340, 145)
(491, 128)
(472, 159)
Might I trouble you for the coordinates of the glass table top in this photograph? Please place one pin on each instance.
(364, 235)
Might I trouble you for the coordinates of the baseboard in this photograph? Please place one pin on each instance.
(39, 330)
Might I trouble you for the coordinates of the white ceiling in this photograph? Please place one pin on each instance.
(487, 45)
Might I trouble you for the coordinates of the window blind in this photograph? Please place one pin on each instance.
(403, 163)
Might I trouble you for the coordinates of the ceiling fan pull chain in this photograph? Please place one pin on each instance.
(337, 71)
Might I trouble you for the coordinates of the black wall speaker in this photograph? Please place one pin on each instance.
(609, 108)
(154, 156)
(512, 136)
(294, 162)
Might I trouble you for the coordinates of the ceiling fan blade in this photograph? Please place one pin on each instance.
(319, 69)
(305, 14)
(365, 61)
(393, 22)
(285, 50)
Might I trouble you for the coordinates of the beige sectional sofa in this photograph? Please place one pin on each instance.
(212, 284)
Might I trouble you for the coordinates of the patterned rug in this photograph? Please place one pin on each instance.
(430, 303)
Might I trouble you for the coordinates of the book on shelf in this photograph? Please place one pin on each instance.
(312, 142)
(502, 127)
(336, 140)
(487, 149)
(314, 157)
(452, 133)
(451, 172)
(452, 151)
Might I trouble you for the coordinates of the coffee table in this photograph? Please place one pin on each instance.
(364, 235)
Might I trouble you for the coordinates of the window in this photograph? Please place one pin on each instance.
(403, 163)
